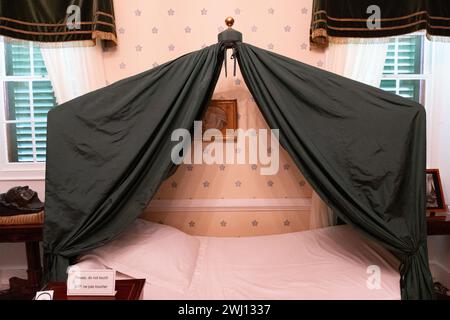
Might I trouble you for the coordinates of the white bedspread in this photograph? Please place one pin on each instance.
(328, 263)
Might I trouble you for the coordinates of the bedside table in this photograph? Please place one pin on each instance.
(126, 290)
(438, 226)
(31, 234)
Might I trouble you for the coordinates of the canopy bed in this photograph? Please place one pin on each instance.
(326, 263)
(360, 148)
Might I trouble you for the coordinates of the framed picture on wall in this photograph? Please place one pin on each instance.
(435, 194)
(221, 115)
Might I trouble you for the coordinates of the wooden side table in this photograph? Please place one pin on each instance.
(31, 234)
(126, 290)
(436, 226)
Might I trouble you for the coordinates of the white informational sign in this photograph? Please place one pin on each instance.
(101, 282)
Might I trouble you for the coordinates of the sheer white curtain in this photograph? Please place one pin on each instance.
(74, 70)
(438, 113)
(321, 215)
(362, 62)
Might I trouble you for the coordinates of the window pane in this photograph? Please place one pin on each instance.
(26, 104)
(410, 55)
(389, 65)
(39, 66)
(41, 140)
(404, 55)
(20, 145)
(17, 101)
(43, 99)
(389, 85)
(411, 89)
(17, 59)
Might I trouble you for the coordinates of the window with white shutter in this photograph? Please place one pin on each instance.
(26, 97)
(404, 67)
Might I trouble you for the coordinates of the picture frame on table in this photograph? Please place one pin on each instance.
(434, 193)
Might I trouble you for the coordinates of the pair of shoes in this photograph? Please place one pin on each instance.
(440, 291)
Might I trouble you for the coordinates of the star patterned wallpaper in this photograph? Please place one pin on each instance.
(234, 224)
(153, 32)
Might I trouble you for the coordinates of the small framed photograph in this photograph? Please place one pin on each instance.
(435, 194)
(221, 115)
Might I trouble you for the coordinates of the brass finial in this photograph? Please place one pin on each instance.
(229, 21)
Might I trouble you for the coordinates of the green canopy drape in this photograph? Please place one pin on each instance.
(362, 149)
(109, 150)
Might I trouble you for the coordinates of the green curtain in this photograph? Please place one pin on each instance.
(109, 150)
(361, 148)
(47, 20)
(354, 18)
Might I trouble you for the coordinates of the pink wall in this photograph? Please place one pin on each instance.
(152, 32)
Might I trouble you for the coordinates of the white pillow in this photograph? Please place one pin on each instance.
(161, 254)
